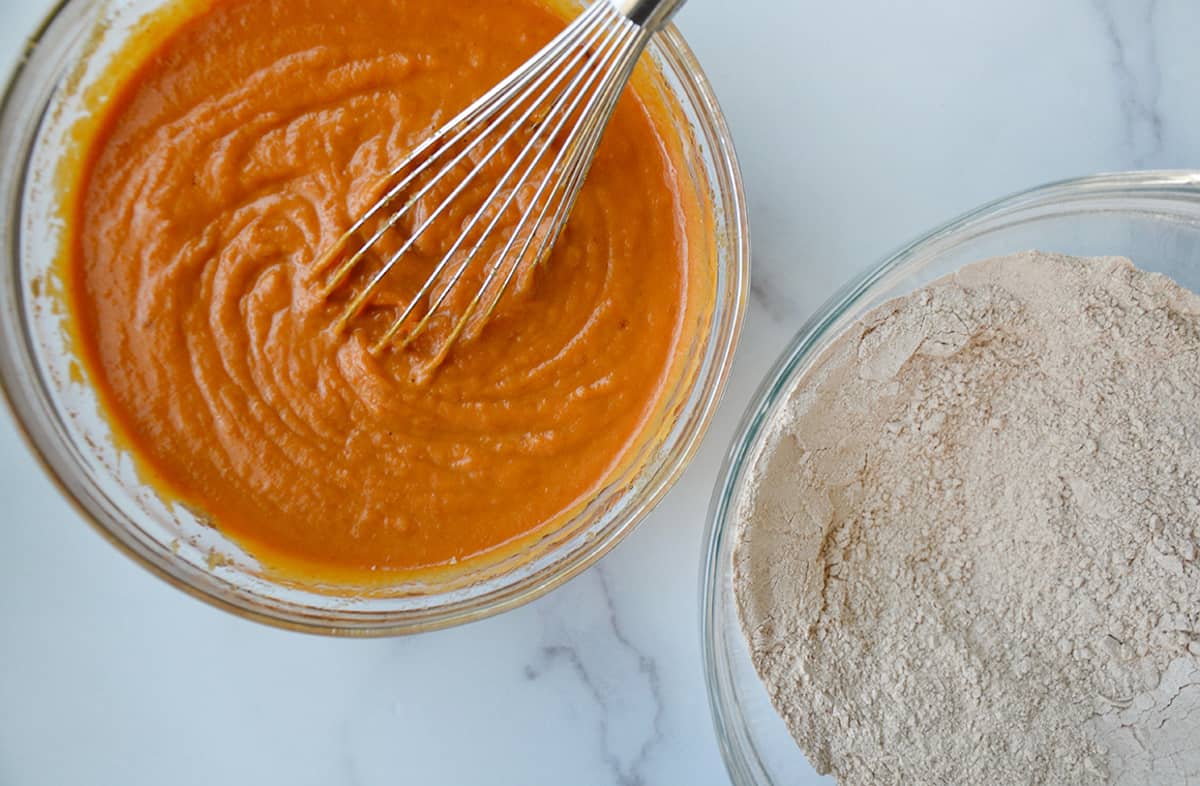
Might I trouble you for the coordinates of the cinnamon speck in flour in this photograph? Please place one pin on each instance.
(970, 547)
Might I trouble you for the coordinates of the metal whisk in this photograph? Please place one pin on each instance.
(551, 112)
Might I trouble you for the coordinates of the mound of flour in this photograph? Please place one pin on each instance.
(970, 551)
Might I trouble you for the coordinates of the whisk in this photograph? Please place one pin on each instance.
(553, 111)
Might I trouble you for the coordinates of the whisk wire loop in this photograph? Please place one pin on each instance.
(359, 301)
(573, 96)
(439, 145)
(560, 102)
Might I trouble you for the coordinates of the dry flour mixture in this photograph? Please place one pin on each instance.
(969, 552)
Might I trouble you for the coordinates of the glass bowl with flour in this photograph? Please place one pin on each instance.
(958, 538)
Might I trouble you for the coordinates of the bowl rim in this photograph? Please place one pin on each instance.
(741, 759)
(733, 239)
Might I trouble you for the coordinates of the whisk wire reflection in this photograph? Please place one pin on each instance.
(559, 102)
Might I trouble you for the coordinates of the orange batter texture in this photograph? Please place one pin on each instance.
(229, 160)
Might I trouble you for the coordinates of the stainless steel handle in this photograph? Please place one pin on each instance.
(652, 15)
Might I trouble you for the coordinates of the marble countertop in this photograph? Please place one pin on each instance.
(859, 125)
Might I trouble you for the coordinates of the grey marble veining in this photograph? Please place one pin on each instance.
(1132, 36)
(583, 636)
(859, 125)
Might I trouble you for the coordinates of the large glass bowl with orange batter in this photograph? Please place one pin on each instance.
(64, 422)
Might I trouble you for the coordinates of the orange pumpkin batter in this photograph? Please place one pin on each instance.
(228, 161)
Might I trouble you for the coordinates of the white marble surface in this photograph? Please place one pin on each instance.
(859, 124)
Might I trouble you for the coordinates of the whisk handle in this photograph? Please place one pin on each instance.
(652, 15)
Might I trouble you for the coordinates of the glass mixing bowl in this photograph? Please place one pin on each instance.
(60, 416)
(1151, 217)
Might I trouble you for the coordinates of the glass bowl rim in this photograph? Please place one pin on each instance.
(1163, 185)
(733, 243)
